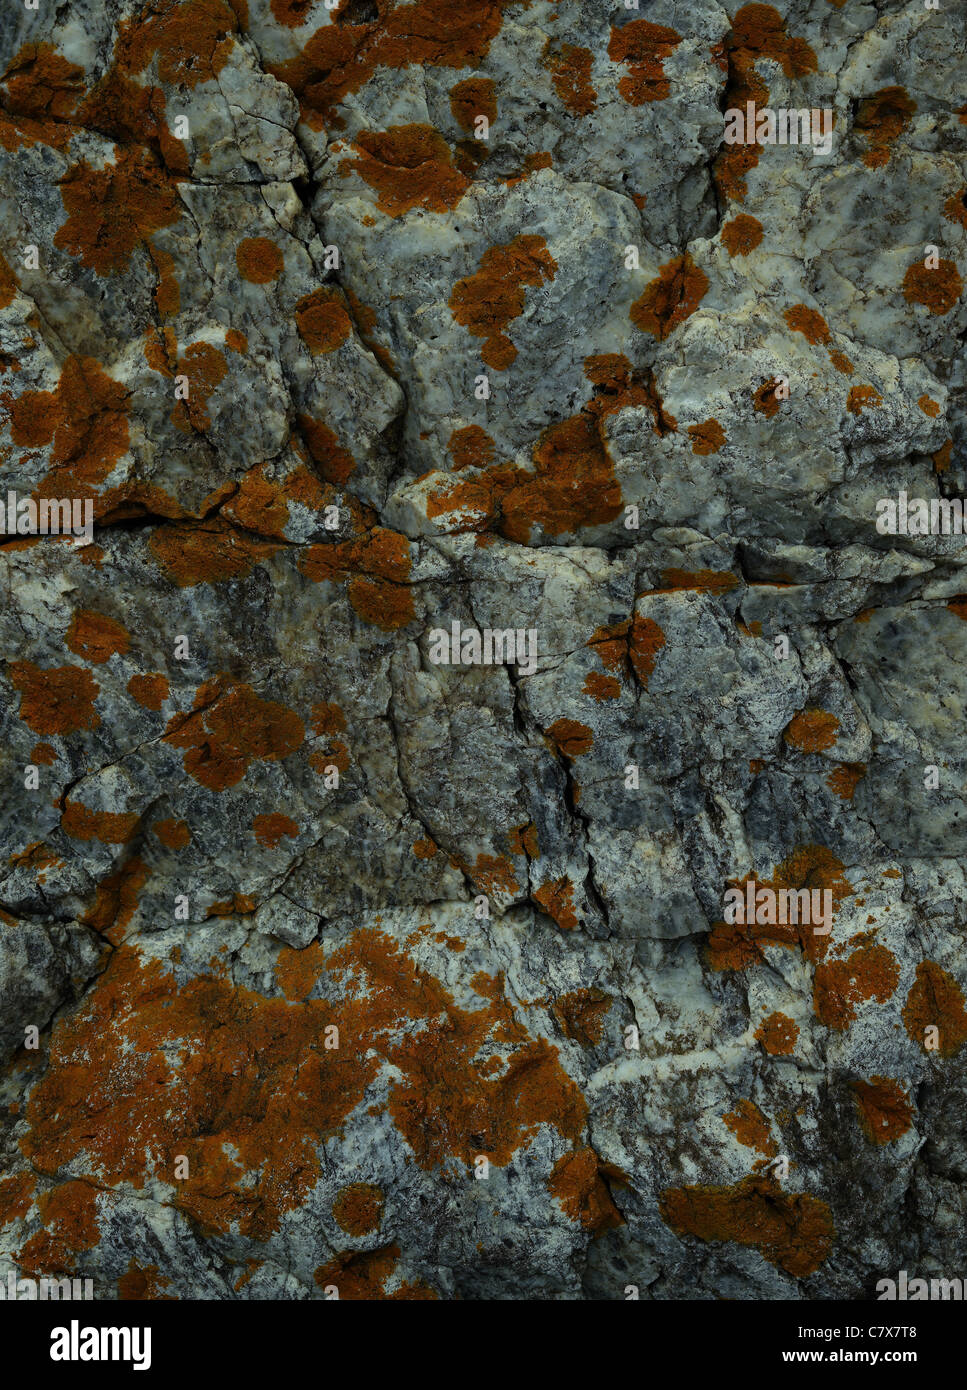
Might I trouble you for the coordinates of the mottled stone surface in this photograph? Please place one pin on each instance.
(324, 966)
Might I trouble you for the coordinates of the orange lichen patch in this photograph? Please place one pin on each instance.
(363, 1277)
(581, 1014)
(486, 302)
(764, 398)
(793, 1231)
(96, 637)
(570, 69)
(236, 340)
(322, 321)
(955, 208)
(471, 447)
(425, 849)
(16, 1195)
(143, 1283)
(841, 362)
(541, 159)
(492, 873)
(207, 552)
(929, 407)
(58, 700)
(409, 166)
(184, 38)
(85, 417)
(113, 210)
(117, 900)
(523, 840)
(812, 731)
(69, 1214)
(253, 1132)
(377, 566)
(936, 1000)
(601, 687)
(708, 437)
(557, 900)
(37, 857)
(812, 325)
(111, 828)
(941, 459)
(571, 737)
(358, 1208)
(298, 972)
(41, 84)
(869, 972)
(881, 119)
(259, 260)
(742, 235)
(645, 642)
(291, 13)
(751, 1128)
(777, 1034)
(610, 646)
(643, 48)
(938, 290)
(269, 829)
(576, 1183)
(335, 463)
(670, 298)
(714, 582)
(44, 754)
(862, 398)
(844, 779)
(205, 367)
(150, 691)
(173, 833)
(229, 728)
(736, 946)
(884, 1108)
(473, 97)
(8, 284)
(240, 904)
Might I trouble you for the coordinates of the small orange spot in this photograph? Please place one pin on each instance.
(742, 235)
(938, 290)
(812, 731)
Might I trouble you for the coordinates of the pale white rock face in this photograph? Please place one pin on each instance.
(422, 965)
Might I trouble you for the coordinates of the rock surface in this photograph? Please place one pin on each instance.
(325, 967)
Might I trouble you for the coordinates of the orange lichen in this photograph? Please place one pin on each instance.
(645, 642)
(955, 208)
(941, 459)
(670, 298)
(751, 1128)
(812, 325)
(187, 38)
(557, 900)
(110, 827)
(601, 687)
(471, 447)
(844, 779)
(643, 48)
(884, 1109)
(812, 731)
(143, 1283)
(111, 211)
(938, 289)
(228, 729)
(44, 754)
(863, 398)
(377, 567)
(86, 419)
(173, 833)
(936, 1001)
(69, 1214)
(358, 1208)
(334, 462)
(581, 1014)
(205, 367)
(473, 97)
(298, 972)
(576, 1182)
(929, 407)
(409, 166)
(486, 302)
(42, 84)
(841, 362)
(55, 700)
(117, 900)
(323, 321)
(777, 1034)
(95, 637)
(363, 1277)
(570, 69)
(16, 1196)
(742, 235)
(881, 119)
(707, 438)
(424, 849)
(150, 691)
(269, 829)
(571, 737)
(765, 400)
(716, 582)
(259, 260)
(793, 1231)
(207, 552)
(869, 972)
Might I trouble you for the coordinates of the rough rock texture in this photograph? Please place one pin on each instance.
(244, 889)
